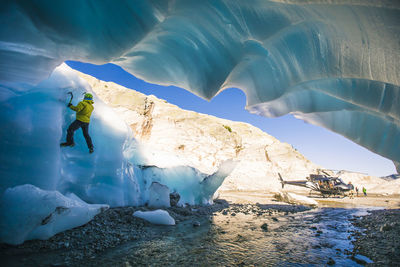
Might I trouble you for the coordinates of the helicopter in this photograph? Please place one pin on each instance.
(325, 184)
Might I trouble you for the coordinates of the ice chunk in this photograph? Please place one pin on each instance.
(27, 212)
(155, 217)
(211, 183)
(193, 186)
(292, 198)
(159, 196)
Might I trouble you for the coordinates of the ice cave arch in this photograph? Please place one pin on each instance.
(333, 64)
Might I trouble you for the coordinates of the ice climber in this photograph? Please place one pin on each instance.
(83, 111)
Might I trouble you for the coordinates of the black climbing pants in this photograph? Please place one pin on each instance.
(85, 130)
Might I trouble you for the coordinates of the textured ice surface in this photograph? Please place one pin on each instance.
(332, 63)
(155, 217)
(34, 120)
(159, 196)
(28, 212)
(193, 186)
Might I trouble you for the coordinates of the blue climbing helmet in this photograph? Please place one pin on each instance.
(88, 96)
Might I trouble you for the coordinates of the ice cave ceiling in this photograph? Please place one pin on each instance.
(332, 63)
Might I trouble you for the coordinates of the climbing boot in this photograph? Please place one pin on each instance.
(67, 144)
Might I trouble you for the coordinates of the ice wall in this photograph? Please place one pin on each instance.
(332, 63)
(34, 120)
(45, 189)
(192, 186)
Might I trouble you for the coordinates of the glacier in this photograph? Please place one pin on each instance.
(46, 189)
(335, 64)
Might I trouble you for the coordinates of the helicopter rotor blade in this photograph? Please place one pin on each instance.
(282, 182)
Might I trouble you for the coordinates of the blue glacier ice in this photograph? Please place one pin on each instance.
(192, 186)
(41, 182)
(335, 64)
(45, 213)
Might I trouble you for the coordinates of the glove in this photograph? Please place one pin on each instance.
(69, 104)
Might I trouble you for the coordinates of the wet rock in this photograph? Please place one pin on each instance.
(174, 198)
(385, 227)
(347, 252)
(358, 260)
(240, 238)
(327, 245)
(264, 227)
(196, 224)
(331, 261)
(379, 239)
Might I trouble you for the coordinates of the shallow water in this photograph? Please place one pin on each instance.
(308, 238)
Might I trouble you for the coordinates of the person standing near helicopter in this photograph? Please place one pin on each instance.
(364, 191)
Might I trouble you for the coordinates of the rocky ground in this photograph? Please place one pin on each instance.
(113, 228)
(379, 239)
(377, 236)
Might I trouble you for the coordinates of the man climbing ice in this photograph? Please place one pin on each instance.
(83, 111)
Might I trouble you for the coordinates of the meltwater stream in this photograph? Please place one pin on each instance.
(244, 236)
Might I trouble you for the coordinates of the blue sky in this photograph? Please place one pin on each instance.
(321, 146)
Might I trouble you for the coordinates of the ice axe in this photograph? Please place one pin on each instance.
(72, 96)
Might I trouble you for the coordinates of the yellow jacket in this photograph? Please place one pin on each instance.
(83, 110)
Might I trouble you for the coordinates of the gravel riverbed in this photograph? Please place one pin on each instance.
(379, 238)
(376, 235)
(116, 226)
